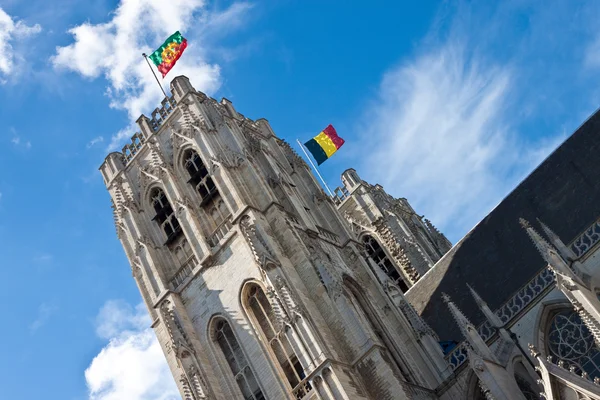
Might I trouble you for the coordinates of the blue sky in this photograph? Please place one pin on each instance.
(449, 104)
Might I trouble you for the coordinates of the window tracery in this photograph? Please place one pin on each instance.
(569, 340)
(526, 388)
(165, 217)
(280, 338)
(199, 176)
(376, 252)
(244, 376)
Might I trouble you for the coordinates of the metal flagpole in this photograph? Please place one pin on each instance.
(154, 73)
(314, 167)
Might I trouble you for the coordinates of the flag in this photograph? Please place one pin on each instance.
(324, 144)
(167, 55)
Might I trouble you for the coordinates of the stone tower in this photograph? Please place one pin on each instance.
(390, 228)
(257, 285)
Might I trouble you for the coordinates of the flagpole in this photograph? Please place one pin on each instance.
(314, 167)
(154, 73)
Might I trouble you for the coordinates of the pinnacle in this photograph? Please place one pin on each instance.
(524, 223)
(476, 295)
(446, 298)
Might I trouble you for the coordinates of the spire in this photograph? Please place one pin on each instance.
(485, 309)
(458, 316)
(469, 331)
(555, 261)
(547, 251)
(563, 249)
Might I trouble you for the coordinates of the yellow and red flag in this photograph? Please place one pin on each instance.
(324, 144)
(167, 55)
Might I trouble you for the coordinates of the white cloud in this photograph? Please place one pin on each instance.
(16, 140)
(95, 141)
(114, 49)
(45, 312)
(12, 32)
(446, 145)
(132, 365)
(446, 128)
(481, 101)
(43, 258)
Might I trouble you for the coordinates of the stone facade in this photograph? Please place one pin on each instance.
(257, 285)
(261, 286)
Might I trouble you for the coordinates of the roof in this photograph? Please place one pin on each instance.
(496, 257)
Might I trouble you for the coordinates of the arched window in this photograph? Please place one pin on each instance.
(376, 252)
(218, 212)
(199, 176)
(474, 391)
(237, 361)
(165, 216)
(526, 384)
(569, 340)
(278, 337)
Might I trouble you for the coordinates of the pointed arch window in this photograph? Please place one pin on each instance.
(199, 176)
(165, 217)
(280, 339)
(237, 361)
(376, 252)
(569, 339)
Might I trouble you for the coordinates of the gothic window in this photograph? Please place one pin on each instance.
(278, 336)
(525, 382)
(183, 252)
(376, 252)
(569, 340)
(199, 176)
(165, 216)
(526, 388)
(237, 361)
(218, 212)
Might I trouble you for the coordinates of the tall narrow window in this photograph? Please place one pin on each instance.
(165, 216)
(237, 361)
(199, 176)
(278, 336)
(374, 250)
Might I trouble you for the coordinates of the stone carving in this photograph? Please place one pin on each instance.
(197, 383)
(319, 196)
(280, 315)
(289, 298)
(228, 158)
(253, 143)
(587, 240)
(396, 251)
(440, 239)
(187, 390)
(158, 164)
(178, 337)
(146, 178)
(292, 157)
(260, 249)
(419, 325)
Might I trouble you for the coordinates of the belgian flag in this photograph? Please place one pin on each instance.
(324, 144)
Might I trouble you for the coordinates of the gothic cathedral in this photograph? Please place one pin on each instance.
(261, 286)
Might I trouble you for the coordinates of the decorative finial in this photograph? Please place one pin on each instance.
(446, 298)
(524, 223)
(534, 351)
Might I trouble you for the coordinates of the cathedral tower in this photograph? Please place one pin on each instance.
(256, 283)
